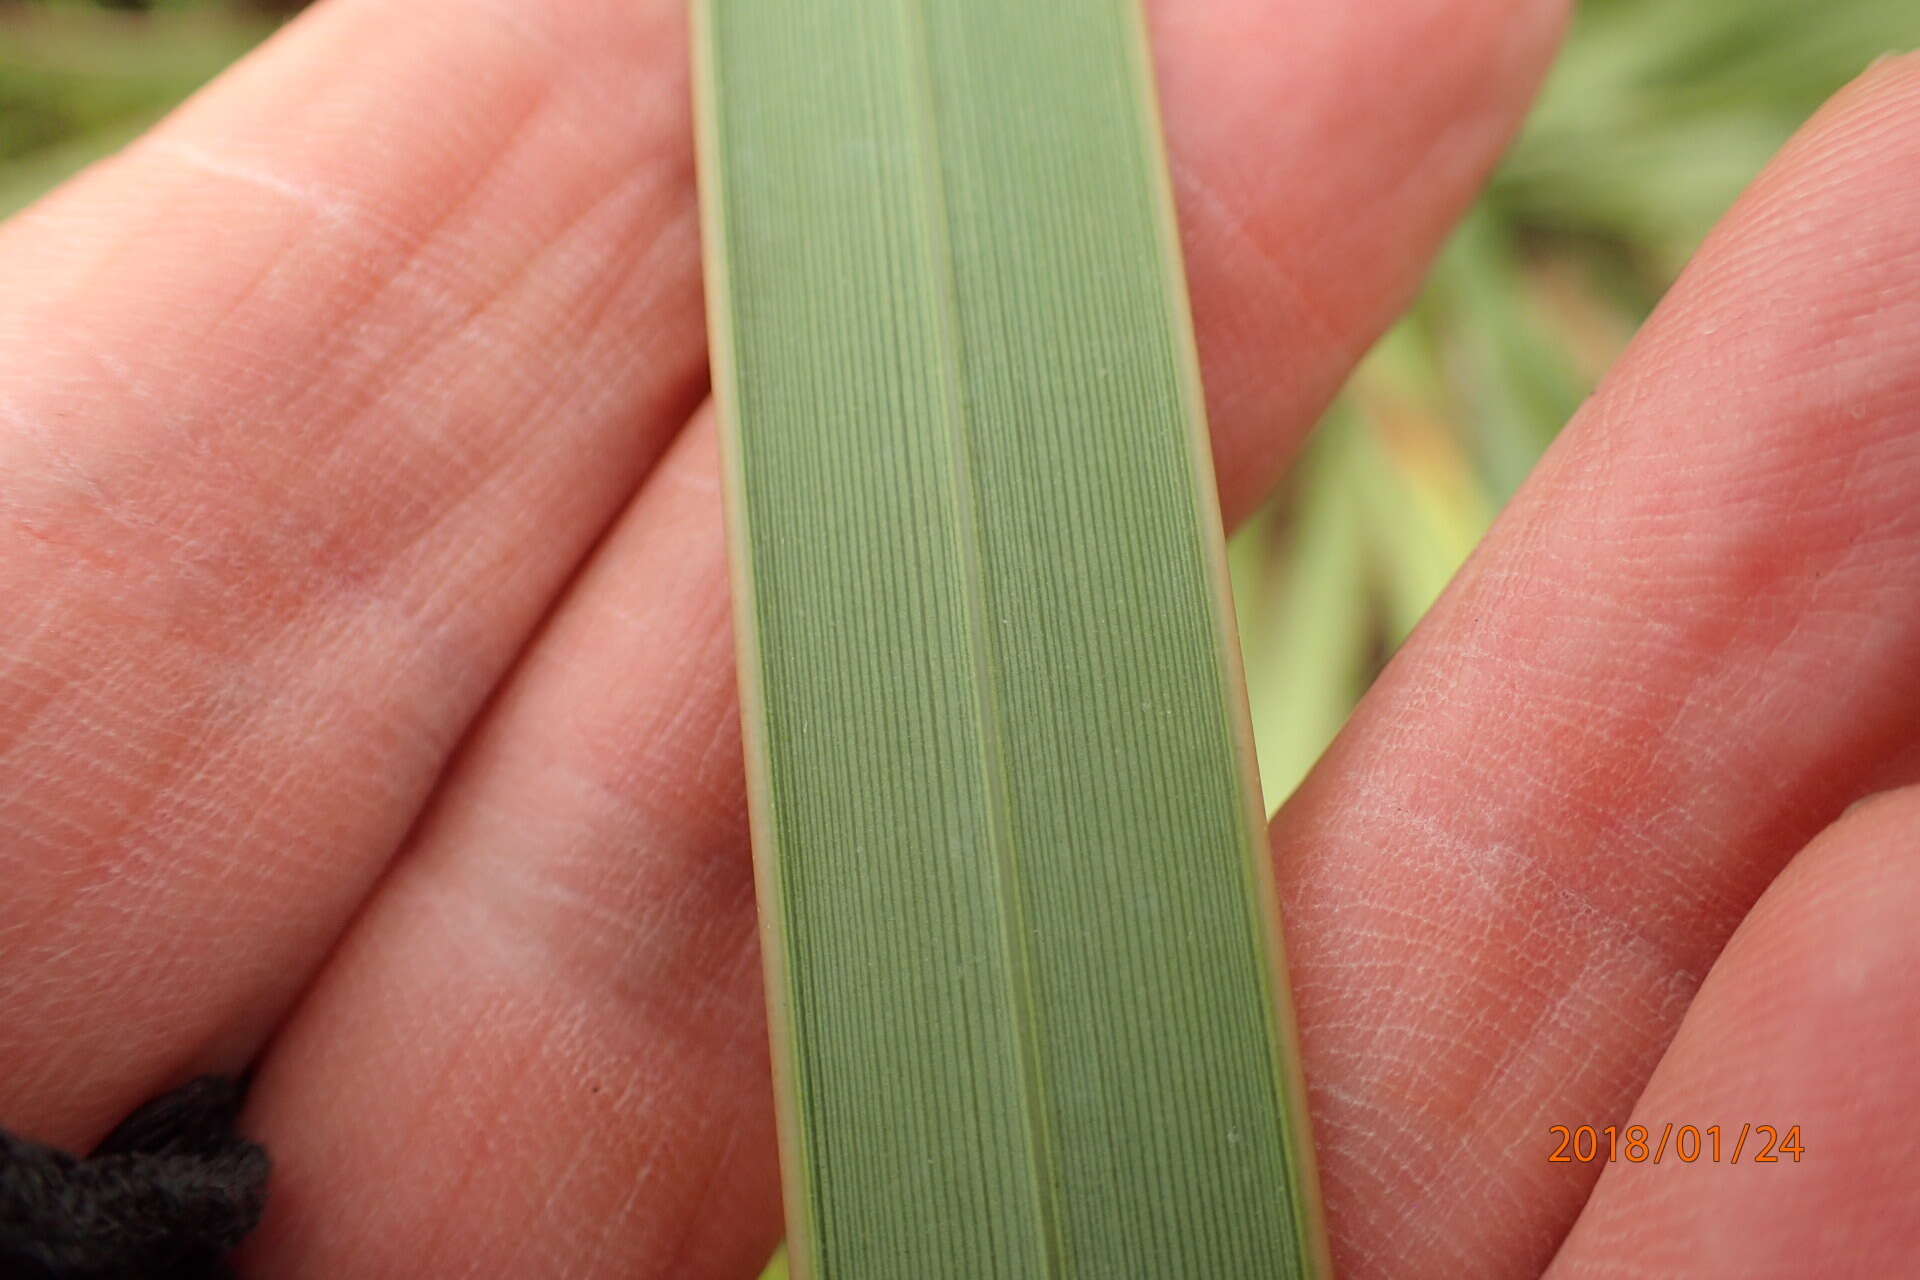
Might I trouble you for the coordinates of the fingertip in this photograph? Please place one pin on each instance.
(1836, 915)
(1893, 65)
(1870, 125)
(1321, 155)
(1877, 808)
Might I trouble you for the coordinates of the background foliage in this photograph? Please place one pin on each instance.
(1659, 112)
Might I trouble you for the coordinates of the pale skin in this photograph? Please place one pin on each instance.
(366, 684)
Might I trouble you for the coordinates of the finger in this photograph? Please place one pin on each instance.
(548, 1027)
(1320, 154)
(1809, 1024)
(308, 404)
(1684, 649)
(568, 949)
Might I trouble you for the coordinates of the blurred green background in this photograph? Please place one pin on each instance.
(1658, 113)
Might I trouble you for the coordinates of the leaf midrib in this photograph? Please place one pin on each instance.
(982, 657)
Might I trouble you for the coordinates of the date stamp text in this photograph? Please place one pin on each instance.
(1677, 1143)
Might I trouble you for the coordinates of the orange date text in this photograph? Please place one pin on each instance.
(1675, 1143)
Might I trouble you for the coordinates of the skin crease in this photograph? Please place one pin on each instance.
(314, 406)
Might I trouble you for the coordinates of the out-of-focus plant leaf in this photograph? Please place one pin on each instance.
(1658, 113)
(78, 81)
(1306, 620)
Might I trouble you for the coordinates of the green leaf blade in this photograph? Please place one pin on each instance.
(1022, 949)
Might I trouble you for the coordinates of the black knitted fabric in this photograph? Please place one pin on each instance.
(165, 1197)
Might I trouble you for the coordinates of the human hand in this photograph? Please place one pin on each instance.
(366, 694)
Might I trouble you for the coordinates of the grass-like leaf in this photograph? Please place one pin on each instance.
(1022, 950)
